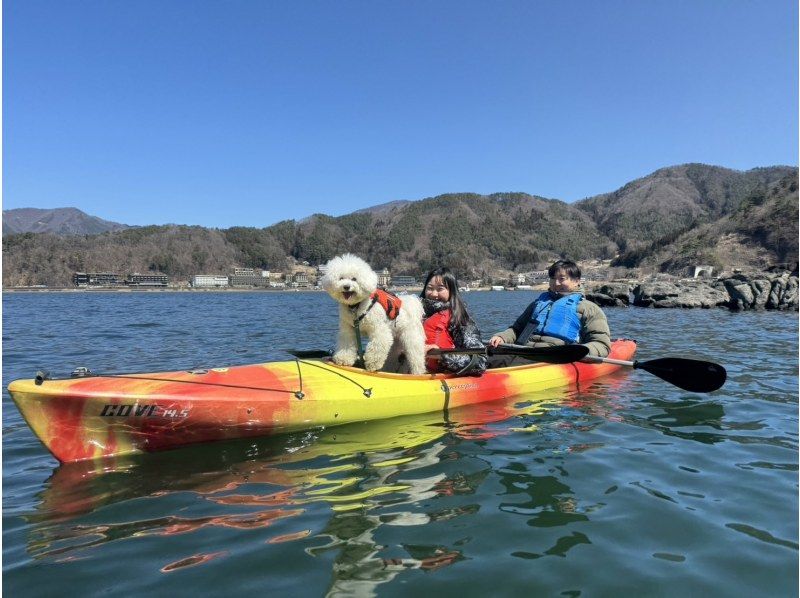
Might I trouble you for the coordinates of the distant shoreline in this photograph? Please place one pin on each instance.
(150, 290)
(417, 289)
(171, 290)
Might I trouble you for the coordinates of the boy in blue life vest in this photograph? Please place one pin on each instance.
(558, 316)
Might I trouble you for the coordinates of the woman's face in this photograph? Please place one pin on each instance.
(436, 290)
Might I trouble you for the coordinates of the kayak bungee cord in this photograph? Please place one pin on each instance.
(367, 391)
(173, 380)
(83, 372)
(299, 394)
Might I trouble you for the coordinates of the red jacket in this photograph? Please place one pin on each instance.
(437, 333)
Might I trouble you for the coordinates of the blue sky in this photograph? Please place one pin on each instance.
(237, 112)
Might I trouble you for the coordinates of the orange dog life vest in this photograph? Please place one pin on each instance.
(390, 303)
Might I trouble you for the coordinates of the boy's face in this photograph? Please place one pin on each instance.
(562, 284)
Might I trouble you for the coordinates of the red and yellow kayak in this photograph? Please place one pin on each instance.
(100, 416)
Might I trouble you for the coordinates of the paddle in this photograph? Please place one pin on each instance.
(558, 354)
(309, 353)
(689, 374)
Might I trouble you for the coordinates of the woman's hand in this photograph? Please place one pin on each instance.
(429, 347)
(496, 340)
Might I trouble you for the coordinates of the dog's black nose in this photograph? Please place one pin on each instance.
(346, 287)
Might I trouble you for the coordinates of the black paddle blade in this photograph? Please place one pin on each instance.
(309, 354)
(559, 354)
(689, 374)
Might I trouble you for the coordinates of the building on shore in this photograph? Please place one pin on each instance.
(112, 279)
(535, 276)
(276, 280)
(300, 280)
(96, 279)
(249, 277)
(147, 280)
(516, 279)
(384, 278)
(403, 281)
(209, 281)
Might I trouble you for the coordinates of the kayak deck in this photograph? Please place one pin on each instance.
(99, 416)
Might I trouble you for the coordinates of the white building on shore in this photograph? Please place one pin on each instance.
(209, 281)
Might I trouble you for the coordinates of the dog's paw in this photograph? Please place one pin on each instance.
(345, 357)
(373, 362)
(416, 366)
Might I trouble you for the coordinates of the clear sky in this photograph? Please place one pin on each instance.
(248, 112)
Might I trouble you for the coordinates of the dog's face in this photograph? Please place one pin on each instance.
(349, 279)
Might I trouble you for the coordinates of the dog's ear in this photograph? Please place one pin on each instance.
(370, 280)
(331, 273)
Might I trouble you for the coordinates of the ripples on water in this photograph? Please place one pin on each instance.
(628, 486)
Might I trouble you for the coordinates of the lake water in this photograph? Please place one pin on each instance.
(628, 486)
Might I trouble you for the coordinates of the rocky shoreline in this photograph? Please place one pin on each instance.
(739, 292)
(767, 290)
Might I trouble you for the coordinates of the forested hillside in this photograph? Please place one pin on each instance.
(31, 259)
(673, 200)
(472, 233)
(475, 234)
(671, 219)
(761, 231)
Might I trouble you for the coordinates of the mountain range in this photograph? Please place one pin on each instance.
(671, 219)
(59, 221)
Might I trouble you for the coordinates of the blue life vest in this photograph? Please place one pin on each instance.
(554, 316)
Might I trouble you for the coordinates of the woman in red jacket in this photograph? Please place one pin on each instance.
(449, 326)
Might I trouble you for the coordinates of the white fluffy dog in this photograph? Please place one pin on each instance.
(351, 282)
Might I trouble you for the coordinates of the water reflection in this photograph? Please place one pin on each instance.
(369, 478)
(685, 419)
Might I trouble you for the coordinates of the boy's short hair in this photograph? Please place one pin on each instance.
(569, 268)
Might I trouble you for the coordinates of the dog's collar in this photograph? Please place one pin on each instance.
(357, 326)
(354, 309)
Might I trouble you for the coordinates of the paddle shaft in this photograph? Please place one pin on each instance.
(630, 364)
(559, 354)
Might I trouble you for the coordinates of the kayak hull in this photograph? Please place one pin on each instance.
(102, 416)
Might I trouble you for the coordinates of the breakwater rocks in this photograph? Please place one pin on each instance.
(737, 292)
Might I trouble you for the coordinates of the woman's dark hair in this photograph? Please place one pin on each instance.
(568, 267)
(458, 311)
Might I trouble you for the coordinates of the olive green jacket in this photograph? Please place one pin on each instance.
(594, 330)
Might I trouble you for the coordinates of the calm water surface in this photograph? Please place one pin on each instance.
(628, 486)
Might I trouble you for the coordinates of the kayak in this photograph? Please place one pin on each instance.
(94, 416)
